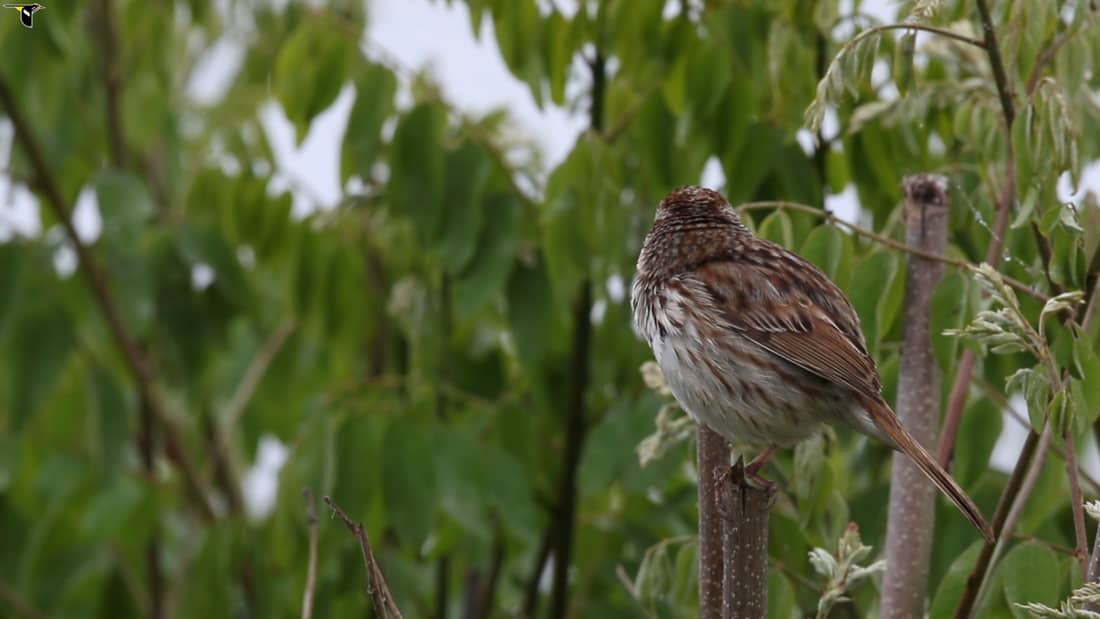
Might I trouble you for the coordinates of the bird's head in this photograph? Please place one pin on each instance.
(697, 205)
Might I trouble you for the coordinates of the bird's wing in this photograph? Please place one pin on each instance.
(804, 319)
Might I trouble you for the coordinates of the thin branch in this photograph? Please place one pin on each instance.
(377, 590)
(531, 590)
(1000, 77)
(1081, 550)
(112, 79)
(136, 362)
(1000, 517)
(1002, 402)
(1004, 206)
(955, 36)
(1047, 55)
(564, 516)
(883, 240)
(254, 375)
(311, 567)
(20, 606)
(945, 449)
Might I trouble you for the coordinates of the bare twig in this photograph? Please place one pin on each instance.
(1077, 503)
(136, 362)
(20, 606)
(1000, 77)
(377, 590)
(1002, 403)
(1019, 502)
(889, 242)
(957, 400)
(911, 518)
(1000, 516)
(102, 22)
(531, 590)
(311, 567)
(953, 418)
(1048, 55)
(576, 424)
(253, 375)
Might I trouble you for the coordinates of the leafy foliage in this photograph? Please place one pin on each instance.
(413, 345)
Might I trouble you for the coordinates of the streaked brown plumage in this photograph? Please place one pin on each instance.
(755, 341)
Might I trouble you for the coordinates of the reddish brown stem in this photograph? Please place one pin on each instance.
(1081, 550)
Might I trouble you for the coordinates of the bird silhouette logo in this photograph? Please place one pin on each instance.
(26, 12)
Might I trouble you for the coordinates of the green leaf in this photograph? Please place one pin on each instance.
(872, 291)
(9, 460)
(486, 274)
(466, 170)
(903, 61)
(953, 584)
(111, 509)
(1087, 363)
(374, 93)
(1022, 146)
(309, 72)
(776, 227)
(981, 426)
(1030, 573)
(530, 311)
(42, 340)
(110, 413)
(558, 55)
(10, 262)
(415, 188)
(205, 593)
(948, 311)
(205, 245)
(829, 249)
(125, 206)
(409, 480)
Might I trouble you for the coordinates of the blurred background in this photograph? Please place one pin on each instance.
(382, 250)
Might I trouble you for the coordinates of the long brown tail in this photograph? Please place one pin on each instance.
(888, 422)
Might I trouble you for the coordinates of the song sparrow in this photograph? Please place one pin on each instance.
(755, 341)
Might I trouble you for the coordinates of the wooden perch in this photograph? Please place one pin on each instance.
(912, 498)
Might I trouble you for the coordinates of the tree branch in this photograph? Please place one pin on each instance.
(911, 518)
(311, 567)
(253, 375)
(16, 602)
(1077, 504)
(379, 593)
(891, 243)
(993, 50)
(953, 419)
(136, 362)
(1000, 516)
(102, 22)
(713, 466)
(744, 515)
(564, 517)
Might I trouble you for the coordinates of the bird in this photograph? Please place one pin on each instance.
(26, 12)
(756, 342)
